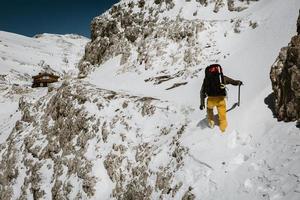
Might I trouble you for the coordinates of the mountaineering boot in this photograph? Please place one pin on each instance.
(211, 124)
(222, 131)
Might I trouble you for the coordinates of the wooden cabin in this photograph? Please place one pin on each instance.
(43, 79)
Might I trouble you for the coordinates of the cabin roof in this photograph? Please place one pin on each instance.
(44, 74)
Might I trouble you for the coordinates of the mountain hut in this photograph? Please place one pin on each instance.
(43, 79)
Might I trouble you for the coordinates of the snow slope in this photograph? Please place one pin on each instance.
(113, 135)
(260, 159)
(22, 57)
(29, 55)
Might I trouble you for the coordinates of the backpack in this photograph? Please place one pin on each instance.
(214, 81)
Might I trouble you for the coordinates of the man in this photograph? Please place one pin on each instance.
(214, 88)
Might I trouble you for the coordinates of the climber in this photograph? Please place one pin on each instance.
(214, 88)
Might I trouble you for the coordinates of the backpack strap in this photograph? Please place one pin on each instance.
(220, 74)
(221, 78)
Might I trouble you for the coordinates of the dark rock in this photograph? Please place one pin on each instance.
(285, 77)
(202, 2)
(141, 3)
(132, 34)
(270, 101)
(298, 24)
(189, 195)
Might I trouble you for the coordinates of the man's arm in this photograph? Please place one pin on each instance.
(231, 81)
(203, 95)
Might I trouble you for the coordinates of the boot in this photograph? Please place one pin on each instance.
(211, 124)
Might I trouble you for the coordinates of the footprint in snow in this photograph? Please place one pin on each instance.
(237, 161)
(232, 139)
(235, 138)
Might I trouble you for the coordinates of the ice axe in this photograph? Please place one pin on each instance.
(239, 96)
(239, 100)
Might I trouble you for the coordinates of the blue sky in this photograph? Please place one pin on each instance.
(31, 17)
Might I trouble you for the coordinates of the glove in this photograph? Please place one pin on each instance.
(241, 83)
(202, 107)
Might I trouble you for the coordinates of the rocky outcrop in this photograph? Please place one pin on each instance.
(48, 147)
(285, 77)
(75, 139)
(142, 32)
(126, 32)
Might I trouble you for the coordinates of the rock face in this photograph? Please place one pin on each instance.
(285, 77)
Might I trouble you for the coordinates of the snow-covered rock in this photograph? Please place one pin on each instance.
(86, 138)
(153, 35)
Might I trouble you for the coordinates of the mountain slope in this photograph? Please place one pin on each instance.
(22, 57)
(122, 132)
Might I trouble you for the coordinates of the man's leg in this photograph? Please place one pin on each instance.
(222, 114)
(210, 112)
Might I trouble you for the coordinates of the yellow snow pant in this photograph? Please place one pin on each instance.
(220, 103)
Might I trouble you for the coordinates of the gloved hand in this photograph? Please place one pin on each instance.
(241, 83)
(202, 107)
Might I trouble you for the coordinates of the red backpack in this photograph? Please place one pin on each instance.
(214, 81)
